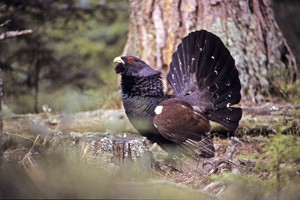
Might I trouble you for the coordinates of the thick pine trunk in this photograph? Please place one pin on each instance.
(247, 28)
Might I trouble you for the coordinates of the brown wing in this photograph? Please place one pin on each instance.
(178, 122)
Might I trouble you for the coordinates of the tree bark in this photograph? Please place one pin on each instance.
(1, 121)
(265, 61)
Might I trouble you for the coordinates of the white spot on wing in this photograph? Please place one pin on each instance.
(158, 110)
(155, 125)
(212, 57)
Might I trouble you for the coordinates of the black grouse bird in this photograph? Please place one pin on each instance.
(206, 85)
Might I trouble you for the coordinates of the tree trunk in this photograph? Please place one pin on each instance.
(5, 36)
(1, 116)
(265, 61)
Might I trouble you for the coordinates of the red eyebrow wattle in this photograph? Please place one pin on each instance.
(131, 59)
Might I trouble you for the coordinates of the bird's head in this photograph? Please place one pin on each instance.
(133, 66)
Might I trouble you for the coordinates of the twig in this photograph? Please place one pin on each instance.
(18, 135)
(5, 23)
(12, 34)
(28, 156)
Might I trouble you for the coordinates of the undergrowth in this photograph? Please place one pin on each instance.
(276, 174)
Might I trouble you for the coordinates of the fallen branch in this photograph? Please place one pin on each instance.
(12, 34)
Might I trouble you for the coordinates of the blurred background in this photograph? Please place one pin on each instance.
(66, 62)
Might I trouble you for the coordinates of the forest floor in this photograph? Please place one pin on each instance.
(99, 155)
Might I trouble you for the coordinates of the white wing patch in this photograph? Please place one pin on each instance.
(158, 110)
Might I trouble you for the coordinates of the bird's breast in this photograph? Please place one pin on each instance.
(140, 112)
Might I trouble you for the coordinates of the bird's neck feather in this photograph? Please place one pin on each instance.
(142, 86)
(140, 96)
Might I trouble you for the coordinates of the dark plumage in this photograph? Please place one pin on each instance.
(206, 85)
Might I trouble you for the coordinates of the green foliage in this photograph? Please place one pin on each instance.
(71, 49)
(281, 158)
(275, 176)
(282, 127)
(293, 90)
(69, 100)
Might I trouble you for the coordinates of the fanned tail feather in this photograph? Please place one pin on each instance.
(203, 65)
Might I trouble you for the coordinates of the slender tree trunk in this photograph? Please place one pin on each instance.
(5, 36)
(1, 118)
(265, 61)
(36, 85)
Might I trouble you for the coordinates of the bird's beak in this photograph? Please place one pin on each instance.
(121, 65)
(119, 60)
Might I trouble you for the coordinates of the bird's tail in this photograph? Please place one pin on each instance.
(203, 72)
